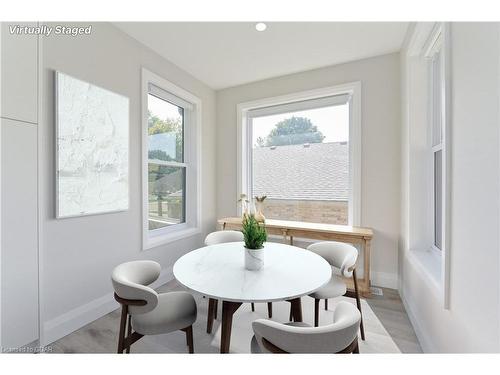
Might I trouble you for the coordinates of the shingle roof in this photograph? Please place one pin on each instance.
(317, 172)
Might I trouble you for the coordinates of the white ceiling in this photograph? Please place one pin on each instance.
(225, 54)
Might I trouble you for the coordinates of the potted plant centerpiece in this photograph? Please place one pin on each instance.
(254, 235)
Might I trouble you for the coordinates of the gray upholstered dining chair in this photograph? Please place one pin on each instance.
(343, 257)
(338, 337)
(223, 236)
(144, 310)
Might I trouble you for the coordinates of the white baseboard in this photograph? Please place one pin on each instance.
(75, 319)
(425, 342)
(384, 279)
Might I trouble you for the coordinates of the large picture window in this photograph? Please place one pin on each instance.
(171, 203)
(300, 161)
(304, 156)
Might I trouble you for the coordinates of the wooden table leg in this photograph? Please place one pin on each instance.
(211, 314)
(284, 233)
(228, 309)
(366, 266)
(296, 309)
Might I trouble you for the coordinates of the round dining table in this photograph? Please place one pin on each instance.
(218, 272)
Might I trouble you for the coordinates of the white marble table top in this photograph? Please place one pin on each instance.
(218, 271)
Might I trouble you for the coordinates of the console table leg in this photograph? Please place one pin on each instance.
(366, 266)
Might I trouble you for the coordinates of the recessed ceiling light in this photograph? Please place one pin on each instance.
(261, 26)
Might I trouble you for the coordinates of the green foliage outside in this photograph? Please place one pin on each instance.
(292, 131)
(160, 191)
(254, 233)
(157, 125)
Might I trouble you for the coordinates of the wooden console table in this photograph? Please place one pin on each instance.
(318, 231)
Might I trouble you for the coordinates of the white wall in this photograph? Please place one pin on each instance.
(78, 254)
(380, 146)
(472, 322)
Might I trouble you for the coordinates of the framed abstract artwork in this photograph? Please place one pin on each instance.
(92, 158)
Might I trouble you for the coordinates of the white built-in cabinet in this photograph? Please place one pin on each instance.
(18, 188)
(19, 75)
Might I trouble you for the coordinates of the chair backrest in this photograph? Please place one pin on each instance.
(332, 338)
(223, 236)
(130, 281)
(339, 254)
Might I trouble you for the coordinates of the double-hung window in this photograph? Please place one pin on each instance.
(169, 161)
(436, 120)
(427, 71)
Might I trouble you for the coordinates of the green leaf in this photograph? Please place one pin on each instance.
(254, 233)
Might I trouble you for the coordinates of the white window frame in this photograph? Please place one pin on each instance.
(437, 109)
(244, 141)
(426, 40)
(192, 162)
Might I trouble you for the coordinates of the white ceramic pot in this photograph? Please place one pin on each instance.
(254, 259)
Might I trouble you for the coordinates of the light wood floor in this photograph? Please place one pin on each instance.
(390, 311)
(100, 336)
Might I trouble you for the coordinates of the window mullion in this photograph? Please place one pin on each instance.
(167, 163)
(438, 147)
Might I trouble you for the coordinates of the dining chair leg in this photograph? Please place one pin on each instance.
(356, 348)
(253, 306)
(358, 303)
(121, 334)
(216, 308)
(316, 312)
(189, 339)
(270, 310)
(326, 303)
(296, 307)
(129, 332)
(210, 317)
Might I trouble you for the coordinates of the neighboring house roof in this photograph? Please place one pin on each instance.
(319, 171)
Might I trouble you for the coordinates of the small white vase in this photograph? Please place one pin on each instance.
(254, 259)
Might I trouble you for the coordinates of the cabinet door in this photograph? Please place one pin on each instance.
(19, 73)
(19, 233)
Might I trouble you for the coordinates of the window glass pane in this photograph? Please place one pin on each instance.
(166, 195)
(438, 199)
(301, 164)
(165, 130)
(436, 100)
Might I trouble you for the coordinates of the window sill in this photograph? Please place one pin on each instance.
(429, 264)
(155, 241)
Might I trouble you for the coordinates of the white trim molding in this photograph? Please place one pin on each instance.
(192, 161)
(384, 279)
(424, 340)
(353, 90)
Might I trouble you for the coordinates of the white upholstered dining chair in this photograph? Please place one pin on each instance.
(146, 311)
(223, 236)
(343, 257)
(337, 337)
